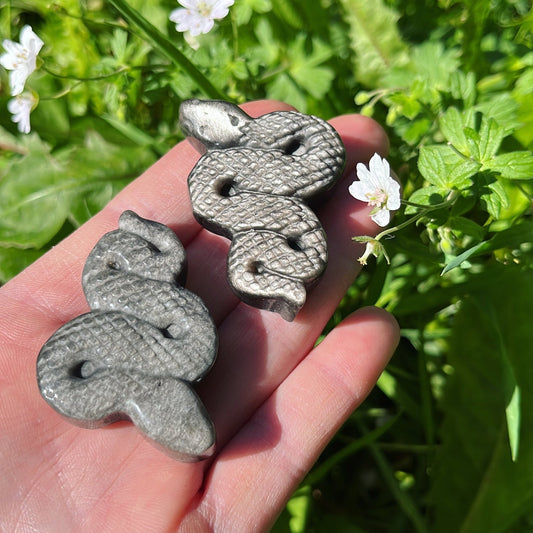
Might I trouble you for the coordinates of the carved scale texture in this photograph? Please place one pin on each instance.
(252, 188)
(134, 355)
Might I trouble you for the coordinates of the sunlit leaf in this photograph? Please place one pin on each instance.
(513, 165)
(478, 486)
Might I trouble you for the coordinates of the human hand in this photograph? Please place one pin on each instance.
(275, 400)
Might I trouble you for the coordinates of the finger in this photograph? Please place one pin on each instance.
(258, 349)
(262, 465)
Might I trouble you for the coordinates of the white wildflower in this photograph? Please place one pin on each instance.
(373, 247)
(378, 188)
(20, 58)
(198, 16)
(20, 107)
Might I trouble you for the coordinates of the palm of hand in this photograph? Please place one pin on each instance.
(275, 400)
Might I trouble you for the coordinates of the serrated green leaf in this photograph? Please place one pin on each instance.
(406, 105)
(477, 486)
(463, 87)
(490, 138)
(513, 165)
(452, 124)
(445, 168)
(375, 39)
(495, 198)
(305, 67)
(431, 165)
(472, 140)
(426, 196)
(503, 109)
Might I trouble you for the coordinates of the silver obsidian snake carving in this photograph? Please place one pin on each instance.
(252, 185)
(145, 340)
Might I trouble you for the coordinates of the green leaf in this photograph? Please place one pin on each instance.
(463, 87)
(495, 198)
(457, 261)
(243, 10)
(375, 39)
(286, 10)
(298, 507)
(13, 261)
(503, 109)
(452, 124)
(477, 485)
(490, 138)
(33, 201)
(283, 88)
(512, 414)
(426, 196)
(445, 168)
(513, 165)
(305, 67)
(431, 165)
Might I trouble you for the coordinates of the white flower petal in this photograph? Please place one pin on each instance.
(362, 172)
(393, 196)
(359, 190)
(20, 107)
(379, 167)
(20, 58)
(17, 79)
(189, 4)
(199, 15)
(30, 40)
(378, 188)
(221, 8)
(381, 218)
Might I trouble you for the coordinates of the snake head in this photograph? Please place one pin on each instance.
(214, 123)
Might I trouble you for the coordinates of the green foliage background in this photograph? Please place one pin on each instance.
(444, 443)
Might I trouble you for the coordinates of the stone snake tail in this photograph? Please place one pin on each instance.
(136, 353)
(252, 184)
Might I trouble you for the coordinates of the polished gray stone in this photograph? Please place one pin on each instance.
(252, 185)
(135, 355)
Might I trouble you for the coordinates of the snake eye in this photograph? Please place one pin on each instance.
(295, 244)
(82, 370)
(295, 147)
(227, 189)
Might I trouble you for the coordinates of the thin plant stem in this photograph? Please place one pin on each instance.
(426, 210)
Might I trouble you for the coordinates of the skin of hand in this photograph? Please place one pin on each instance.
(275, 399)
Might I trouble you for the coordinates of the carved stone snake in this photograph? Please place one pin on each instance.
(136, 353)
(252, 185)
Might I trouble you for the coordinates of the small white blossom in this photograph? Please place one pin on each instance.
(20, 58)
(20, 107)
(375, 248)
(378, 188)
(198, 16)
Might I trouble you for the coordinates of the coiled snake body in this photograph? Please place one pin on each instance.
(252, 185)
(134, 355)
